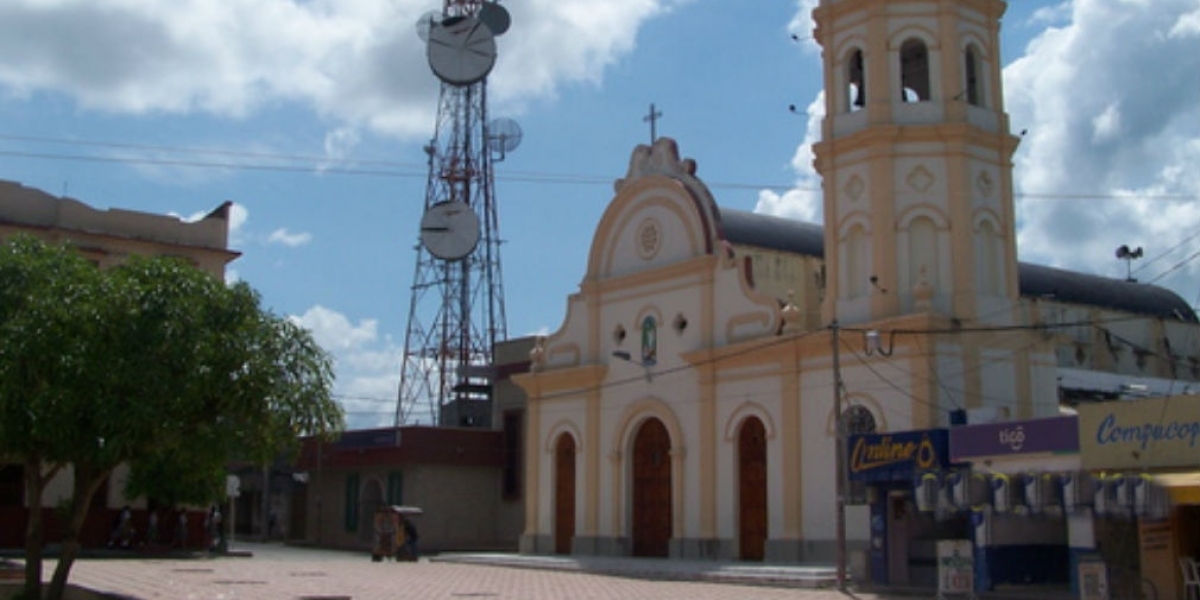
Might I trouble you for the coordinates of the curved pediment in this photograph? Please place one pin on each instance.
(661, 215)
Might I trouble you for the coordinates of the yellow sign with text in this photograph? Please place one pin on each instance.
(1140, 434)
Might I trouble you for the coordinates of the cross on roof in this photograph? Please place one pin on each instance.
(652, 118)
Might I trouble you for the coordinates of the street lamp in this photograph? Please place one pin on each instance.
(873, 343)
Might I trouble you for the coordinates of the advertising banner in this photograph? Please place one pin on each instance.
(956, 568)
(1140, 434)
(1057, 435)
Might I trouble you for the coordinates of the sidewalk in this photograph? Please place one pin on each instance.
(278, 572)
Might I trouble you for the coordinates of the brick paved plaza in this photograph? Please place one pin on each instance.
(275, 572)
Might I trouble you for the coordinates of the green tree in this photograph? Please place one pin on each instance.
(47, 298)
(152, 364)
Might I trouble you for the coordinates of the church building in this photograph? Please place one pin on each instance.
(688, 405)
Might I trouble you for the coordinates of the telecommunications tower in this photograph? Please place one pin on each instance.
(457, 310)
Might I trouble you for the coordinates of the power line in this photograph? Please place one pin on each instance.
(781, 340)
(388, 168)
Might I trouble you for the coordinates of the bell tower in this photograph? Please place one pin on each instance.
(916, 161)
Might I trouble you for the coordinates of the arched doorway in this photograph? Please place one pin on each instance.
(370, 501)
(652, 490)
(752, 489)
(564, 493)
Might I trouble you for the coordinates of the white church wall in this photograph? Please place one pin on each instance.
(817, 448)
(558, 416)
(652, 231)
(743, 394)
(998, 381)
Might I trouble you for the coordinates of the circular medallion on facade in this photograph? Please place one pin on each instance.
(649, 239)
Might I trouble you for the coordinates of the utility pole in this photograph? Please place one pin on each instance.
(840, 459)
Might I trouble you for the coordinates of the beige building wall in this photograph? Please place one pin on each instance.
(459, 514)
(108, 236)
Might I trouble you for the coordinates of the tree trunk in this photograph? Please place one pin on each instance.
(35, 483)
(85, 485)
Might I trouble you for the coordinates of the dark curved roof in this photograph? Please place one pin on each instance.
(1036, 281)
(773, 233)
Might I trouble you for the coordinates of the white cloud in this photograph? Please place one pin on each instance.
(1109, 101)
(334, 331)
(340, 142)
(238, 216)
(803, 202)
(1052, 15)
(287, 238)
(367, 366)
(358, 62)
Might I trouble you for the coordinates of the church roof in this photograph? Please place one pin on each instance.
(1036, 281)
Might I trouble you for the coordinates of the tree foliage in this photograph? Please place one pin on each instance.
(153, 364)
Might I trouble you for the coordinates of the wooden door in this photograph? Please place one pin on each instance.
(652, 490)
(564, 494)
(752, 490)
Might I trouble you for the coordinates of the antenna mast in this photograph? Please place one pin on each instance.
(456, 314)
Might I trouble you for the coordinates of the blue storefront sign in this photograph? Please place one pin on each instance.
(892, 461)
(880, 457)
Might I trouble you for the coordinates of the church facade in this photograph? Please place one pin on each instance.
(688, 405)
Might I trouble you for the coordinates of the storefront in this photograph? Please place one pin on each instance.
(904, 528)
(1143, 457)
(1020, 529)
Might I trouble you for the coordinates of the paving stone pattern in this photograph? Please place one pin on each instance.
(275, 572)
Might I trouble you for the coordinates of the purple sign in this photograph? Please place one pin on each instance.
(1059, 435)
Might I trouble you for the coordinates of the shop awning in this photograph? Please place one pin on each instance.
(1183, 488)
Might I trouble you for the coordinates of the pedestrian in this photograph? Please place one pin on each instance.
(410, 538)
(181, 532)
(152, 528)
(122, 528)
(215, 531)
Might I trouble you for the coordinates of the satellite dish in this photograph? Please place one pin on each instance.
(426, 22)
(504, 135)
(495, 17)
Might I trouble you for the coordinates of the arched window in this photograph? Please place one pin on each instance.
(922, 252)
(856, 259)
(972, 70)
(914, 71)
(989, 277)
(858, 420)
(856, 90)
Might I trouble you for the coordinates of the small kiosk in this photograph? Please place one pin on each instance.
(1020, 525)
(391, 537)
(904, 529)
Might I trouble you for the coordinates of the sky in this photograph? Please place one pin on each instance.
(310, 116)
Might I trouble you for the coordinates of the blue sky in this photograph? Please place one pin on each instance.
(310, 116)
